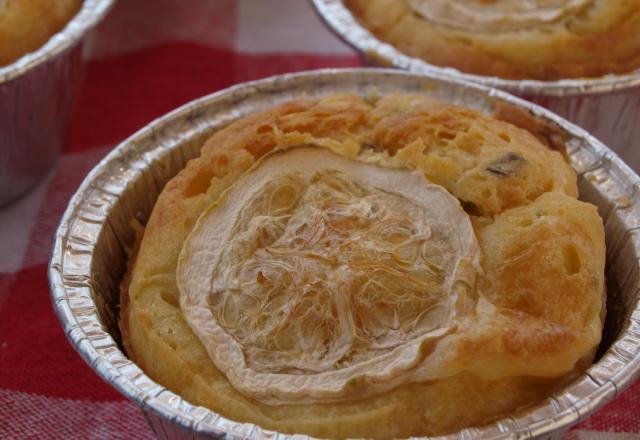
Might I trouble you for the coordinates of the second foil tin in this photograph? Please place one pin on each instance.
(90, 252)
(37, 95)
(607, 107)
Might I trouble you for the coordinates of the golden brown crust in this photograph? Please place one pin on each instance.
(600, 40)
(25, 25)
(502, 173)
(123, 317)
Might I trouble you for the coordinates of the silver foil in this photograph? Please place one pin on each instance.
(608, 107)
(89, 257)
(37, 94)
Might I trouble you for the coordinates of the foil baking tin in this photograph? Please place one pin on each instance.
(607, 107)
(37, 94)
(89, 256)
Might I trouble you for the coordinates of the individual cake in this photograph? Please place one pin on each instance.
(25, 25)
(516, 39)
(383, 267)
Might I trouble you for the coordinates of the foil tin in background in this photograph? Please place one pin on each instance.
(607, 107)
(37, 94)
(89, 257)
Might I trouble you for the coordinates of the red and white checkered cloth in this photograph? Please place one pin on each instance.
(149, 57)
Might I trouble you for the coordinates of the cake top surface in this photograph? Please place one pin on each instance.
(349, 267)
(497, 15)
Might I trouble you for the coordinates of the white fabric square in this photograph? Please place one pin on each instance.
(16, 223)
(284, 26)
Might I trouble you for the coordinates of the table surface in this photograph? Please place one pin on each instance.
(149, 58)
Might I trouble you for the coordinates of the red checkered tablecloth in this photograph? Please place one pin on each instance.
(148, 58)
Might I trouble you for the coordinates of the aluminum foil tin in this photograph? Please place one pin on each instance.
(607, 107)
(89, 256)
(37, 93)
